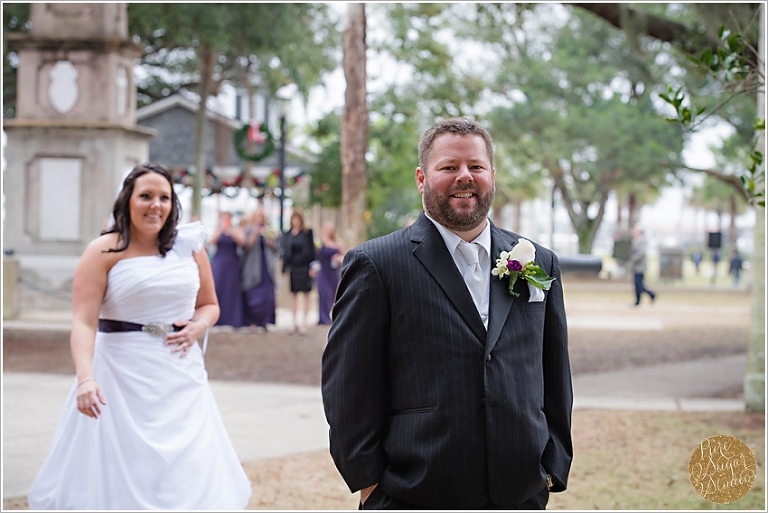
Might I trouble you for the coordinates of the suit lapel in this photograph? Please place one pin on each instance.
(501, 301)
(433, 254)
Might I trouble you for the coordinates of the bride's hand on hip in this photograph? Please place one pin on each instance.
(89, 396)
(186, 337)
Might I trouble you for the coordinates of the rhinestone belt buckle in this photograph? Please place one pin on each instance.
(157, 329)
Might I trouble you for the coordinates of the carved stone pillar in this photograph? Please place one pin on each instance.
(73, 140)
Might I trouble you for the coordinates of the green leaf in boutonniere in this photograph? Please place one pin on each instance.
(509, 264)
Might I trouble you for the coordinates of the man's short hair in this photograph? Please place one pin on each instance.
(459, 126)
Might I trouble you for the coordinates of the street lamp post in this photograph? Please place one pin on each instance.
(284, 104)
(282, 169)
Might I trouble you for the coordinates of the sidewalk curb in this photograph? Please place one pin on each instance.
(658, 404)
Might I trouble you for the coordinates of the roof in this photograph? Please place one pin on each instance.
(177, 100)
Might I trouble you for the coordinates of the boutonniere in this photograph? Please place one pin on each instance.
(518, 263)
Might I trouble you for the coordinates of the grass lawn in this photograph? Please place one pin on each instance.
(639, 459)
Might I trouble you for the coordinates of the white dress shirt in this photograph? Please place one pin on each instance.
(483, 240)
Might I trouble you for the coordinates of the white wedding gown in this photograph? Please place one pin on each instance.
(160, 442)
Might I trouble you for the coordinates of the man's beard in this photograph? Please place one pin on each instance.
(439, 207)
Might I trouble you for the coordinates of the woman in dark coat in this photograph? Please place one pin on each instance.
(298, 247)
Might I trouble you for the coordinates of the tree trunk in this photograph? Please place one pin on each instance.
(732, 224)
(354, 131)
(207, 57)
(619, 230)
(497, 212)
(754, 382)
(584, 226)
(719, 223)
(633, 210)
(518, 226)
(586, 237)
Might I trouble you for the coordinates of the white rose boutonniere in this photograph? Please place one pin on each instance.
(519, 263)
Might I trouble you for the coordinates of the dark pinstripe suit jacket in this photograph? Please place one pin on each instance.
(423, 400)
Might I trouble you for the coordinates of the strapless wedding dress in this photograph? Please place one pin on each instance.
(160, 442)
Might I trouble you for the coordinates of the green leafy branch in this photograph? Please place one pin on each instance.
(753, 179)
(732, 65)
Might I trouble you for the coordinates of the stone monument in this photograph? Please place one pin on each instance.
(74, 139)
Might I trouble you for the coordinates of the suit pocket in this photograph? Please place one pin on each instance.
(412, 411)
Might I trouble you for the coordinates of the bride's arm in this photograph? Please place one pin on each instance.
(88, 288)
(207, 304)
(206, 309)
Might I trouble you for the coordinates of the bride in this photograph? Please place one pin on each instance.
(140, 428)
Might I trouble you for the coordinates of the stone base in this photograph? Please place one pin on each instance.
(45, 283)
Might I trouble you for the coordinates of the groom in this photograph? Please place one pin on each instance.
(441, 388)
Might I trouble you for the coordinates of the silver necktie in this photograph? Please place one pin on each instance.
(473, 275)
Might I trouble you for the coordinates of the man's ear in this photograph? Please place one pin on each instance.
(420, 177)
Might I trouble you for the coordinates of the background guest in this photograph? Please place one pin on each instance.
(715, 263)
(330, 256)
(639, 265)
(298, 253)
(735, 267)
(257, 271)
(696, 257)
(226, 270)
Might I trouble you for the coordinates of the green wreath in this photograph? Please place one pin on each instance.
(239, 140)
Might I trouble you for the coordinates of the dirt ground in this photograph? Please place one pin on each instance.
(689, 332)
(695, 324)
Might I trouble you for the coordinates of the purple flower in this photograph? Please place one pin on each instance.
(514, 265)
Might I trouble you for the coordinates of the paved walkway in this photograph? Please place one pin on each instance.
(686, 386)
(269, 420)
(263, 421)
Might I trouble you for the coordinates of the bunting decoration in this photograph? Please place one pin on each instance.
(230, 186)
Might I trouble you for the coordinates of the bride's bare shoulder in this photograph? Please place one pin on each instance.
(99, 248)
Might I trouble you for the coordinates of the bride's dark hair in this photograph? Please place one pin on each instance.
(121, 212)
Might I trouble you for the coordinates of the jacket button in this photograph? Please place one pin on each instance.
(488, 358)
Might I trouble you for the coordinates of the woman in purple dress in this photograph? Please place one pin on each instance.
(257, 271)
(330, 256)
(226, 271)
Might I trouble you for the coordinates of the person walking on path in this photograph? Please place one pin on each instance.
(715, 264)
(330, 256)
(226, 270)
(444, 388)
(257, 270)
(639, 264)
(696, 257)
(140, 428)
(298, 253)
(735, 267)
